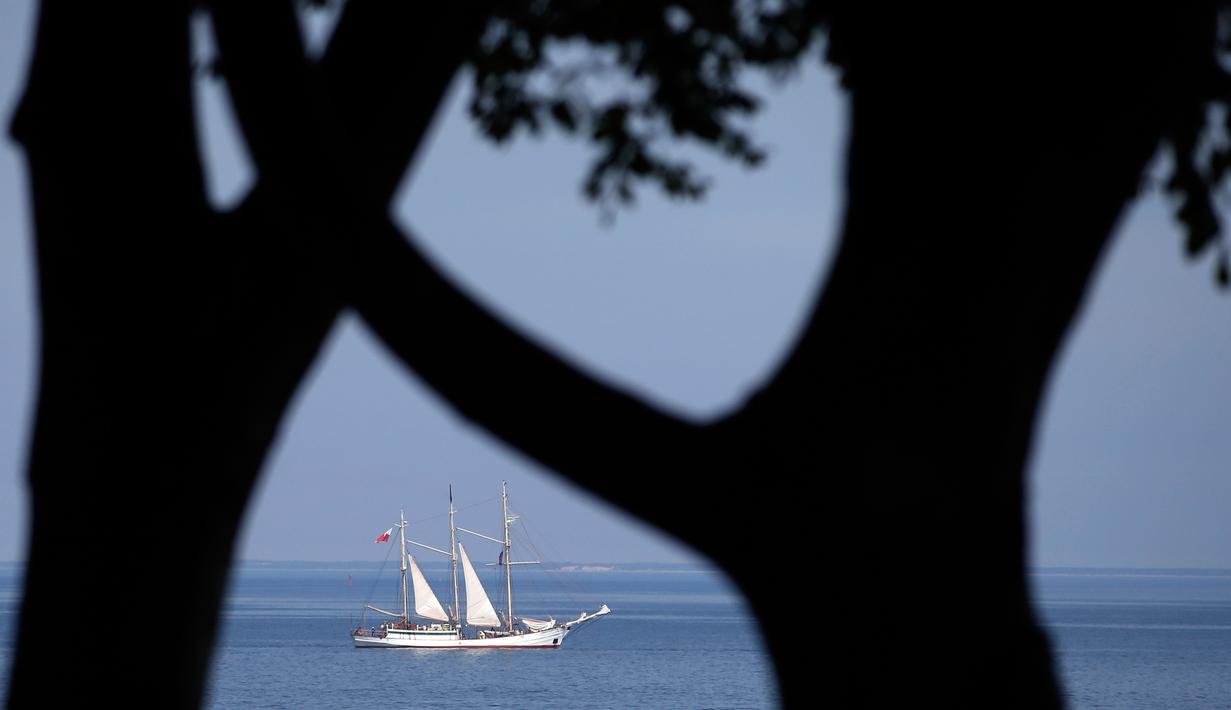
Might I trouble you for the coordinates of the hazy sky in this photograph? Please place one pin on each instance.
(690, 305)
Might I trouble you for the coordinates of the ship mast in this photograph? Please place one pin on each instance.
(457, 609)
(508, 566)
(405, 592)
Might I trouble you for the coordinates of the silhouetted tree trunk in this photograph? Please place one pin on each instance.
(172, 338)
(985, 175)
(171, 341)
(984, 178)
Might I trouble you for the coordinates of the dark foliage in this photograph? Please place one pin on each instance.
(633, 77)
(676, 69)
(992, 152)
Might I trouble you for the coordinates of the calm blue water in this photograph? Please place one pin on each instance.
(1138, 639)
(674, 640)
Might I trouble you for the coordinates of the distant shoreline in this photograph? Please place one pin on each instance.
(557, 567)
(571, 567)
(1130, 571)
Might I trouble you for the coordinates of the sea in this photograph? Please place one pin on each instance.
(678, 637)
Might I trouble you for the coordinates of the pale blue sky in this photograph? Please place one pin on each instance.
(690, 305)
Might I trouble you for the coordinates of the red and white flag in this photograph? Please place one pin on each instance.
(384, 537)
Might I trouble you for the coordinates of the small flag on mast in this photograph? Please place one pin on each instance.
(384, 537)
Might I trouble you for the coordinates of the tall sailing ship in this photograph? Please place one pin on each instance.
(481, 626)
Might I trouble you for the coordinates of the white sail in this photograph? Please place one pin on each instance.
(479, 611)
(426, 603)
(382, 611)
(538, 624)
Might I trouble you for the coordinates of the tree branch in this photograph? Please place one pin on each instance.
(644, 460)
(599, 437)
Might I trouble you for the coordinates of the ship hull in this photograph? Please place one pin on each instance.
(550, 638)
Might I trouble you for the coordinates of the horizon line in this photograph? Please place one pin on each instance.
(718, 567)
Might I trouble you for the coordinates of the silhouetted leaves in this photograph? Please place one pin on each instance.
(638, 76)
(633, 76)
(1200, 143)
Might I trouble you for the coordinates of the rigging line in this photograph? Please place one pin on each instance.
(562, 584)
(532, 580)
(547, 585)
(527, 540)
(416, 521)
(574, 589)
(584, 627)
(379, 574)
(477, 503)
